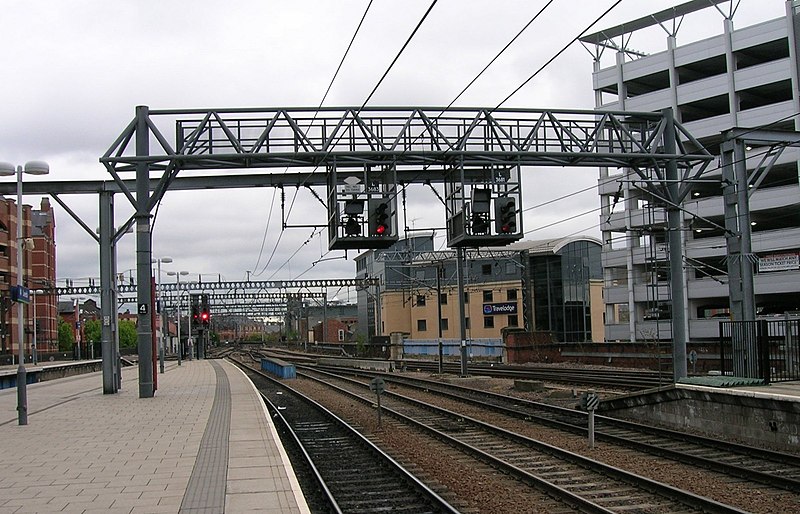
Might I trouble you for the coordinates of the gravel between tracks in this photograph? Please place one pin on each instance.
(490, 491)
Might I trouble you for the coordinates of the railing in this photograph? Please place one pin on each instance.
(766, 349)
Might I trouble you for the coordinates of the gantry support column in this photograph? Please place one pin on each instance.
(144, 284)
(462, 315)
(741, 283)
(108, 301)
(675, 239)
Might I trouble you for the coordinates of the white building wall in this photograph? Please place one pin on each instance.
(756, 86)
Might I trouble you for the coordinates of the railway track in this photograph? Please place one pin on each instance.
(773, 469)
(597, 377)
(633, 380)
(584, 484)
(349, 473)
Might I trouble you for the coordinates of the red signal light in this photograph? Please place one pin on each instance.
(204, 316)
(380, 229)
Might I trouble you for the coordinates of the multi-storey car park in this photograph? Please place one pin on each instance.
(746, 78)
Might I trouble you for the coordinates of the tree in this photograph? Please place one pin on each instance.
(91, 330)
(127, 334)
(66, 337)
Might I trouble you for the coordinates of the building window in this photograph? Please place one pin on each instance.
(513, 321)
(443, 298)
(511, 295)
(488, 322)
(341, 335)
(466, 323)
(420, 300)
(444, 324)
(510, 268)
(466, 297)
(486, 269)
(422, 325)
(487, 296)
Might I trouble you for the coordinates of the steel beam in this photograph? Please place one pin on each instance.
(235, 139)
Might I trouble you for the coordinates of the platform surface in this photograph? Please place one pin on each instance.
(203, 444)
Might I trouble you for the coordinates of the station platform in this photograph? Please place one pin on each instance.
(761, 415)
(203, 444)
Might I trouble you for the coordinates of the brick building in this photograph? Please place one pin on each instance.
(41, 317)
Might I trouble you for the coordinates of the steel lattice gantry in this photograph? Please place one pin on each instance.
(464, 147)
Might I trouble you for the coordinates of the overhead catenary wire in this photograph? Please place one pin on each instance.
(514, 92)
(539, 70)
(424, 17)
(321, 102)
(377, 85)
(553, 58)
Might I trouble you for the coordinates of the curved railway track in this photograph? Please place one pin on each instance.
(585, 484)
(774, 469)
(351, 474)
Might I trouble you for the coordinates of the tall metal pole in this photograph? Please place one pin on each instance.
(180, 299)
(189, 335)
(461, 309)
(143, 258)
(439, 309)
(22, 376)
(108, 306)
(743, 208)
(675, 238)
(161, 319)
(33, 342)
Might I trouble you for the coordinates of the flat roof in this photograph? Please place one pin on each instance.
(649, 20)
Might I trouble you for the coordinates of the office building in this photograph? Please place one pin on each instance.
(550, 286)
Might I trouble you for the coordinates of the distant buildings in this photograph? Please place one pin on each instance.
(41, 317)
(551, 286)
(747, 77)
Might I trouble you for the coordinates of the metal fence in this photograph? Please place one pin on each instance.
(766, 349)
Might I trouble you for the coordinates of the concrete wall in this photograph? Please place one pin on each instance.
(760, 419)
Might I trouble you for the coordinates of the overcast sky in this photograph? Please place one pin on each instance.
(74, 71)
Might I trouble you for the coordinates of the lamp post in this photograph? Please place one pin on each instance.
(32, 168)
(178, 274)
(165, 260)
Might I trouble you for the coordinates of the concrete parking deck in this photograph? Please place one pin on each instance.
(204, 443)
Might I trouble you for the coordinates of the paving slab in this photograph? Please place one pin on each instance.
(83, 451)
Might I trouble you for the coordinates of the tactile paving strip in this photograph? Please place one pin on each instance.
(205, 492)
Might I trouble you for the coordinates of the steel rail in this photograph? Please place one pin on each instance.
(399, 473)
(643, 484)
(628, 432)
(320, 481)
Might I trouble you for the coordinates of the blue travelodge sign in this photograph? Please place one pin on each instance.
(490, 309)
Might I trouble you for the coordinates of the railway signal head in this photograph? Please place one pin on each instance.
(505, 215)
(480, 225)
(353, 210)
(351, 226)
(380, 218)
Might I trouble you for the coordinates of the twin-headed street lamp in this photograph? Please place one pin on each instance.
(22, 293)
